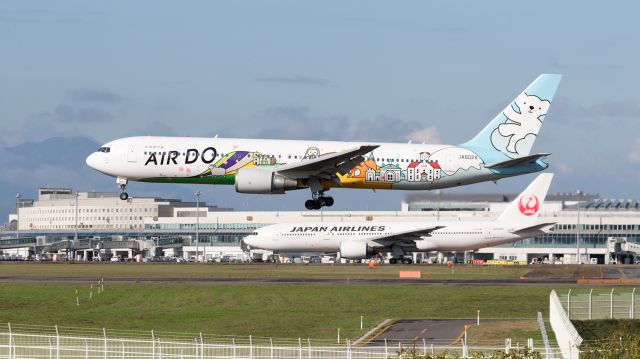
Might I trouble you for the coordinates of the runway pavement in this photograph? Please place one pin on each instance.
(421, 332)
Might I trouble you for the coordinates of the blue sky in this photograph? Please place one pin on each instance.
(358, 70)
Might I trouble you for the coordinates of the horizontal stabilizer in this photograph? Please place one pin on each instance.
(534, 228)
(518, 161)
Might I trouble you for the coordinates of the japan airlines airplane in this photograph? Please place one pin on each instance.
(359, 240)
(500, 150)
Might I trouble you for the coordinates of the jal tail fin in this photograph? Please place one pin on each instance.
(514, 130)
(524, 210)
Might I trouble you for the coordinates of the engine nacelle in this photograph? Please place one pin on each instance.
(260, 181)
(355, 250)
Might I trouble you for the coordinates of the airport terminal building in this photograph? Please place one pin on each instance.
(156, 227)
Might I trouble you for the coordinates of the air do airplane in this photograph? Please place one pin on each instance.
(359, 240)
(502, 149)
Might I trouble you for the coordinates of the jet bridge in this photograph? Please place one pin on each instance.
(621, 251)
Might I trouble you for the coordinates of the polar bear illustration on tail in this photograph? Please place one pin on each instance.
(524, 117)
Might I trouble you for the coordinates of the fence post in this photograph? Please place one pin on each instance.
(309, 342)
(233, 340)
(271, 342)
(57, 343)
(611, 306)
(250, 346)
(569, 304)
(424, 346)
(122, 342)
(201, 346)
(50, 349)
(10, 340)
(590, 300)
(153, 345)
(386, 348)
(196, 347)
(299, 348)
(633, 299)
(507, 345)
(104, 332)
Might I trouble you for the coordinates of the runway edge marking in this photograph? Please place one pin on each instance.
(374, 332)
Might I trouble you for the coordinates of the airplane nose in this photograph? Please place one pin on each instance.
(92, 160)
(248, 240)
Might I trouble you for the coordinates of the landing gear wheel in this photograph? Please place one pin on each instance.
(328, 201)
(124, 196)
(322, 201)
(407, 260)
(310, 204)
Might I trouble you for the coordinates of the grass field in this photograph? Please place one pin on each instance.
(603, 329)
(314, 311)
(277, 310)
(201, 271)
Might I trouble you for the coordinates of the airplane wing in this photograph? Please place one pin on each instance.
(535, 228)
(326, 166)
(407, 236)
(518, 161)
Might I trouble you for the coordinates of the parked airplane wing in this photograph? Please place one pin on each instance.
(536, 228)
(407, 236)
(326, 166)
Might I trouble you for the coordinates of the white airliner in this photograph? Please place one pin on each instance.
(500, 150)
(359, 240)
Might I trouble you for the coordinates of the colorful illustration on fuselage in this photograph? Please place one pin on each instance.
(374, 172)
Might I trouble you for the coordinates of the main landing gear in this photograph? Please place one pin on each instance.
(318, 200)
(403, 260)
(122, 183)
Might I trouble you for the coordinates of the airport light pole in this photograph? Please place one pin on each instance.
(18, 195)
(578, 260)
(198, 193)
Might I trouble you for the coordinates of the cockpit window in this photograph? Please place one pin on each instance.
(104, 149)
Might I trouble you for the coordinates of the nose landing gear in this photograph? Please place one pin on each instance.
(122, 183)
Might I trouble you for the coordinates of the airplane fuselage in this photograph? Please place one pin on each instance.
(328, 237)
(217, 160)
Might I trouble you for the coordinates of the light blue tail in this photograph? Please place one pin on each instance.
(512, 132)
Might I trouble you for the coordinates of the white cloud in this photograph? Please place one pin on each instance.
(427, 135)
(634, 151)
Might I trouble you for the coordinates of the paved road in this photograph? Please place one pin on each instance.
(422, 332)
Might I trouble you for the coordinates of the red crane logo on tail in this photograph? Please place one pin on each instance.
(529, 205)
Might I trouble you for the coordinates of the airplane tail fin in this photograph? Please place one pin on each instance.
(524, 210)
(514, 130)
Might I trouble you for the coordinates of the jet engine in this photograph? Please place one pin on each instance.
(260, 181)
(355, 250)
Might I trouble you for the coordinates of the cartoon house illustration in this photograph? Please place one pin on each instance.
(390, 173)
(423, 172)
(260, 160)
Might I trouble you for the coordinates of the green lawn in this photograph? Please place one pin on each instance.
(250, 271)
(314, 311)
(603, 329)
